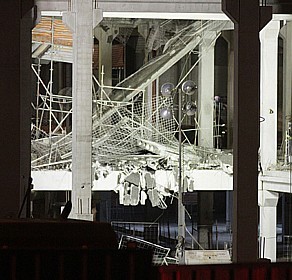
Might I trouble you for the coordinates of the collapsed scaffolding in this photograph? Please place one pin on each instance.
(128, 133)
(123, 123)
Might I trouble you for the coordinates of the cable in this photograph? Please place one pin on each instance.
(194, 239)
(158, 217)
(26, 199)
(289, 211)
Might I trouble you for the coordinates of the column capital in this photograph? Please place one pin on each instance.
(26, 6)
(271, 30)
(209, 38)
(69, 18)
(236, 9)
(267, 198)
(285, 31)
(97, 17)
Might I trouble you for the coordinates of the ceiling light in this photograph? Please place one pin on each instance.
(190, 108)
(166, 113)
(189, 87)
(167, 89)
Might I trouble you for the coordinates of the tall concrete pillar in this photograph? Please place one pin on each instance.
(268, 137)
(152, 92)
(229, 37)
(82, 21)
(268, 224)
(206, 121)
(268, 89)
(15, 101)
(206, 90)
(105, 36)
(248, 19)
(286, 34)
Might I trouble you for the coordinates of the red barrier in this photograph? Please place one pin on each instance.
(255, 271)
(97, 264)
(260, 272)
(222, 274)
(79, 264)
(281, 273)
(202, 274)
(241, 273)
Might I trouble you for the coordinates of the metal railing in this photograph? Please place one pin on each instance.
(143, 230)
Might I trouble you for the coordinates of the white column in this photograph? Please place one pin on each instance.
(228, 36)
(81, 21)
(206, 120)
(105, 37)
(206, 90)
(268, 222)
(230, 87)
(268, 136)
(268, 91)
(286, 34)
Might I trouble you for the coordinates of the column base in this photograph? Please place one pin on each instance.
(85, 217)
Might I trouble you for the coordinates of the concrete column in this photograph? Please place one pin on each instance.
(206, 90)
(228, 35)
(15, 101)
(82, 21)
(268, 223)
(286, 34)
(268, 89)
(248, 19)
(228, 210)
(206, 121)
(154, 87)
(105, 36)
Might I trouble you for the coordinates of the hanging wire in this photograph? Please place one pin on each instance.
(288, 237)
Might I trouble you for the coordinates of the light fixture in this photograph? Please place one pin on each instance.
(190, 108)
(189, 87)
(217, 99)
(166, 113)
(167, 89)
